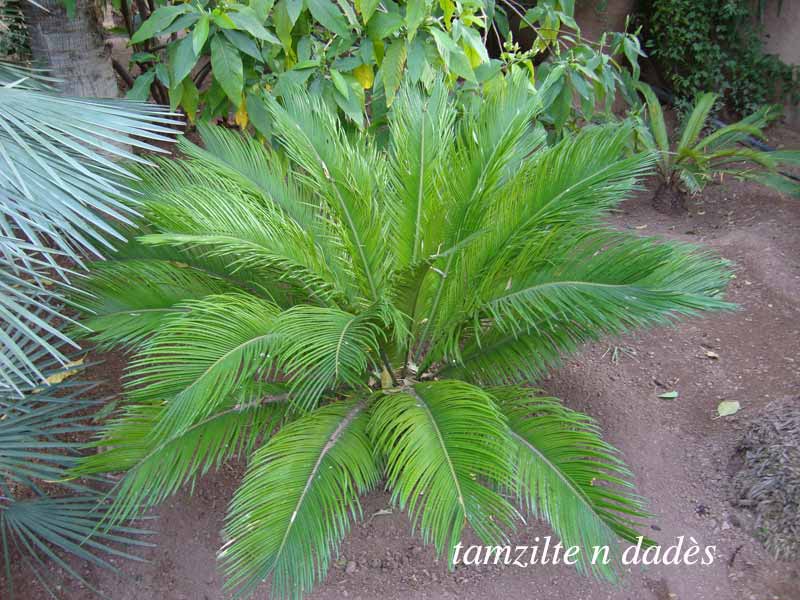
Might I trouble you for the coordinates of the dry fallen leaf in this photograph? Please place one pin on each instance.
(68, 372)
(62, 375)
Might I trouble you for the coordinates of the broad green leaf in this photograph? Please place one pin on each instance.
(452, 55)
(183, 59)
(190, 99)
(416, 10)
(200, 33)
(383, 25)
(141, 86)
(392, 68)
(668, 395)
(329, 16)
(223, 21)
(416, 59)
(246, 19)
(353, 104)
(283, 26)
(261, 8)
(245, 43)
(175, 95)
(368, 9)
(340, 83)
(158, 21)
(259, 116)
(226, 64)
(293, 9)
(448, 8)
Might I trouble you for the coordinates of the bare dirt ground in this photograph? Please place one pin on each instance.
(680, 453)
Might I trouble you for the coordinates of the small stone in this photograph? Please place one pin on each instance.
(350, 568)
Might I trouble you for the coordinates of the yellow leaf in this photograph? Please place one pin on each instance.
(241, 117)
(448, 8)
(472, 55)
(386, 379)
(62, 375)
(364, 75)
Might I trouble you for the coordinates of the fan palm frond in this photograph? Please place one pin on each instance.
(61, 196)
(44, 516)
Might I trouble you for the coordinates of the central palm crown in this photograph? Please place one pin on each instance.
(342, 311)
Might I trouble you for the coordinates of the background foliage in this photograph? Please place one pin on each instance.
(353, 55)
(716, 46)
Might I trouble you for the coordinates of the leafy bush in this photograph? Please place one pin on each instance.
(715, 46)
(338, 313)
(354, 55)
(696, 158)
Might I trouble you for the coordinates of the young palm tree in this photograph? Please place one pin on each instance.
(342, 313)
(697, 158)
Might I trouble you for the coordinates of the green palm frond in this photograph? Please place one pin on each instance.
(297, 499)
(256, 169)
(565, 473)
(422, 135)
(444, 441)
(693, 126)
(346, 175)
(320, 348)
(155, 469)
(696, 159)
(200, 356)
(130, 300)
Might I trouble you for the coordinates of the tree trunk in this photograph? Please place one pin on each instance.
(74, 50)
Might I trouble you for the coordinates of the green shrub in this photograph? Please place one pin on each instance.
(340, 313)
(715, 46)
(690, 163)
(352, 54)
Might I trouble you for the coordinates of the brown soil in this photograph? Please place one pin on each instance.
(679, 452)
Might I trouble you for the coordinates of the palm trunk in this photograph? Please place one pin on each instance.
(73, 49)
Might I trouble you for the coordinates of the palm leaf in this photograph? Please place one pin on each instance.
(345, 175)
(128, 301)
(297, 498)
(566, 474)
(44, 516)
(156, 469)
(443, 441)
(421, 132)
(321, 347)
(693, 126)
(201, 356)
